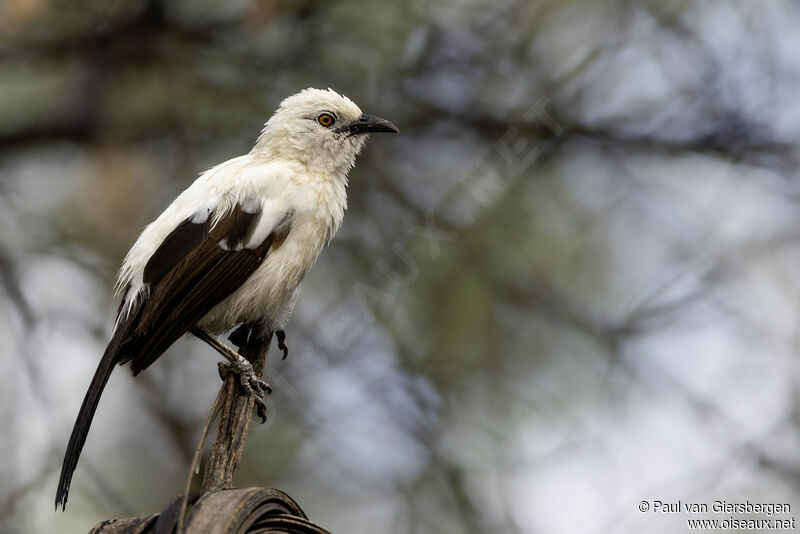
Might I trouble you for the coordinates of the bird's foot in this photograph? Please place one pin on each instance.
(281, 336)
(249, 381)
(238, 365)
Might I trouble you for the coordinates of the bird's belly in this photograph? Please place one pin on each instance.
(269, 293)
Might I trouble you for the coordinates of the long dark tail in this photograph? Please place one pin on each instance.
(89, 406)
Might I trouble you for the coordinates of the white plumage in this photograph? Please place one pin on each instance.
(295, 166)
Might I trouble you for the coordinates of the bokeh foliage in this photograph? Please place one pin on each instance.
(570, 284)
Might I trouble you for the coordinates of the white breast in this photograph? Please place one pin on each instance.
(317, 206)
(270, 292)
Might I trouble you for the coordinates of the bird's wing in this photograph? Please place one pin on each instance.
(200, 263)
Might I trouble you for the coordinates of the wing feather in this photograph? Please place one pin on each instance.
(189, 276)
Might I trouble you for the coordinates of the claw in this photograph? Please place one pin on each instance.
(261, 410)
(281, 335)
(249, 381)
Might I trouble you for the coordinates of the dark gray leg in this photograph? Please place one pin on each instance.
(237, 365)
(240, 335)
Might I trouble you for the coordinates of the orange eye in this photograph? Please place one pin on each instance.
(326, 120)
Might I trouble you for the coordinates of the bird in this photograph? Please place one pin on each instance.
(230, 252)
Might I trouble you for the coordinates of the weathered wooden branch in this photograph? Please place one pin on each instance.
(235, 416)
(219, 508)
(230, 511)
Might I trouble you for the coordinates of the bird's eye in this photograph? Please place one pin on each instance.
(326, 120)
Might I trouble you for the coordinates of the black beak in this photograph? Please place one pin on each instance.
(367, 124)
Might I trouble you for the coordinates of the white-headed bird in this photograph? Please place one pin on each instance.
(232, 249)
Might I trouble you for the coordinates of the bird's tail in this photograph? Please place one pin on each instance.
(84, 420)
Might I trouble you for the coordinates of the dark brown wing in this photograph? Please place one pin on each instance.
(178, 244)
(195, 269)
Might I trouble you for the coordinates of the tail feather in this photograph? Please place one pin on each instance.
(86, 413)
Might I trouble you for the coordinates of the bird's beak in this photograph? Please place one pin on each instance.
(368, 124)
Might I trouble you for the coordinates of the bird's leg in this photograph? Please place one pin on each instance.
(281, 335)
(240, 335)
(237, 365)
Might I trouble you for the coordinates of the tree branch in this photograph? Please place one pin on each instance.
(235, 415)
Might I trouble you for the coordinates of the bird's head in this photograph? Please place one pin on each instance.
(320, 129)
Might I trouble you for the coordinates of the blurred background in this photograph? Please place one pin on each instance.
(569, 285)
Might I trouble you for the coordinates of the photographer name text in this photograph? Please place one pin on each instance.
(716, 507)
